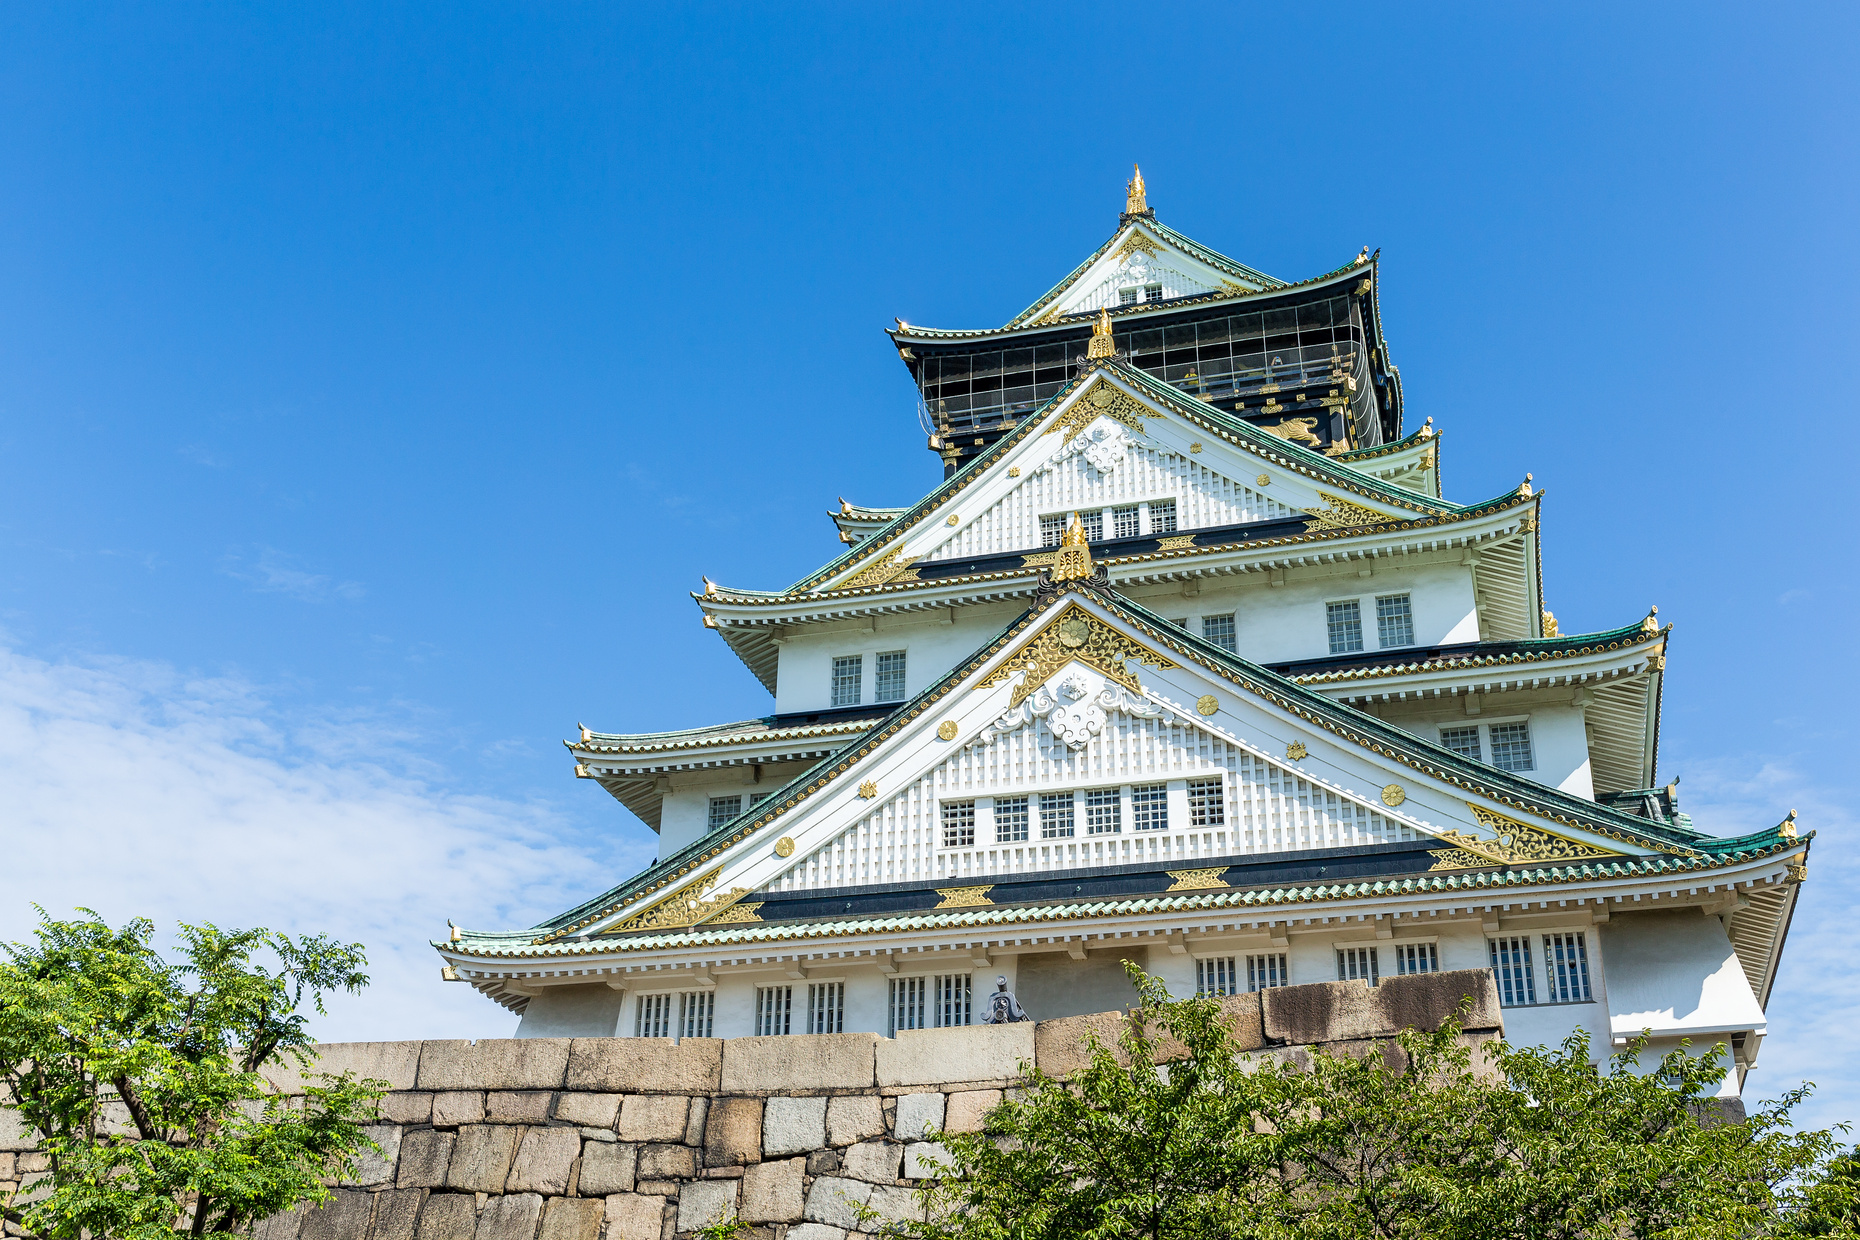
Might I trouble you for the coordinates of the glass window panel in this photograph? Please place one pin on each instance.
(1314, 314)
(985, 365)
(1358, 964)
(888, 683)
(1511, 965)
(1103, 811)
(697, 1010)
(826, 1007)
(848, 673)
(1394, 620)
(1216, 977)
(1093, 521)
(1162, 516)
(907, 1004)
(1566, 958)
(1010, 820)
(1150, 341)
(1049, 355)
(1265, 971)
(959, 824)
(1055, 815)
(1463, 741)
(1220, 631)
(1181, 336)
(1212, 332)
(1052, 529)
(1278, 322)
(1124, 522)
(653, 1017)
(1416, 958)
(952, 999)
(724, 810)
(1206, 806)
(1345, 621)
(1511, 747)
(1149, 807)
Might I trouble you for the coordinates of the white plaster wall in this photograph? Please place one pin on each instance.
(685, 814)
(1559, 740)
(931, 642)
(1674, 973)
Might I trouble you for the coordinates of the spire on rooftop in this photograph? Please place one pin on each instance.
(1136, 201)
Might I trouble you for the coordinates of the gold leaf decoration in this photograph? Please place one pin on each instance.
(946, 730)
(737, 914)
(1341, 514)
(1294, 430)
(887, 568)
(1296, 751)
(685, 907)
(1198, 880)
(1175, 542)
(868, 790)
(1456, 859)
(1104, 400)
(1517, 842)
(965, 897)
(1075, 634)
(1207, 704)
(1394, 795)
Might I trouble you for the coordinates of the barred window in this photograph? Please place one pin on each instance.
(952, 999)
(1416, 958)
(1103, 811)
(1511, 747)
(959, 824)
(1010, 820)
(1152, 292)
(1220, 631)
(1265, 971)
(1162, 516)
(1093, 522)
(654, 1017)
(848, 671)
(1566, 961)
(1149, 807)
(1124, 522)
(1216, 976)
(907, 1004)
(826, 1007)
(1394, 620)
(888, 677)
(1463, 741)
(774, 1010)
(1346, 626)
(1127, 296)
(723, 809)
(1055, 815)
(1206, 807)
(696, 1010)
(1358, 964)
(1052, 529)
(1511, 965)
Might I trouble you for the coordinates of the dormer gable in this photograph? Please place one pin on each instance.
(1143, 262)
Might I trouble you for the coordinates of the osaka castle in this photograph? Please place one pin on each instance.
(1188, 661)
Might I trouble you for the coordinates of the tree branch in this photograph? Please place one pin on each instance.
(144, 1124)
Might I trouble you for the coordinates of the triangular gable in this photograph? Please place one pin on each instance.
(1141, 256)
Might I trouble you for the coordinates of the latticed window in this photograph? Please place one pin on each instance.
(1052, 529)
(907, 1004)
(1511, 965)
(1394, 620)
(826, 1007)
(774, 1010)
(1511, 747)
(1463, 741)
(696, 1010)
(1149, 807)
(959, 824)
(1206, 807)
(1346, 626)
(1152, 292)
(1566, 961)
(1103, 814)
(1055, 815)
(1124, 522)
(723, 809)
(1093, 522)
(653, 1018)
(1358, 964)
(1416, 958)
(1220, 631)
(1127, 296)
(952, 999)
(1265, 971)
(848, 671)
(888, 677)
(1010, 820)
(1216, 976)
(1162, 516)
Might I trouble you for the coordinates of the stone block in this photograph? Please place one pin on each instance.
(704, 1202)
(649, 1117)
(733, 1133)
(835, 1201)
(397, 1211)
(448, 1216)
(897, 1203)
(545, 1157)
(407, 1107)
(667, 1162)
(633, 1217)
(967, 1111)
(376, 1167)
(15, 1134)
(793, 1126)
(875, 1161)
(1063, 1047)
(494, 1063)
(823, 1162)
(816, 1231)
(344, 1216)
(1348, 1011)
(588, 1110)
(962, 1053)
(456, 1108)
(919, 1115)
(607, 1169)
(694, 1122)
(645, 1065)
(511, 1217)
(854, 1118)
(572, 1218)
(772, 1191)
(393, 1062)
(526, 1107)
(920, 1160)
(1242, 1016)
(789, 1064)
(425, 1157)
(481, 1159)
(283, 1226)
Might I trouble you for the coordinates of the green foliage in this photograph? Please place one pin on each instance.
(1423, 1136)
(142, 1078)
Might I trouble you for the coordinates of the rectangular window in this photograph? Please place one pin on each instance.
(1394, 620)
(1511, 965)
(1093, 522)
(1152, 292)
(723, 809)
(1357, 964)
(952, 999)
(774, 1010)
(1206, 807)
(1220, 631)
(1124, 522)
(1052, 529)
(696, 1010)
(1216, 977)
(1566, 961)
(1265, 971)
(959, 824)
(1010, 820)
(1463, 741)
(1055, 815)
(1181, 624)
(1126, 296)
(848, 671)
(1103, 811)
(826, 1007)
(1416, 958)
(907, 1004)
(1511, 747)
(1162, 516)
(654, 1017)
(1149, 807)
(1346, 626)
(888, 678)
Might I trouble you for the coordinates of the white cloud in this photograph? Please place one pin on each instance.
(278, 573)
(134, 789)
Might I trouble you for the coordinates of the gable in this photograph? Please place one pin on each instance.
(1141, 258)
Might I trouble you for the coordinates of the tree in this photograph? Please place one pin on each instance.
(141, 1078)
(1173, 1134)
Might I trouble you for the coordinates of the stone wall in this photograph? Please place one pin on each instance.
(648, 1139)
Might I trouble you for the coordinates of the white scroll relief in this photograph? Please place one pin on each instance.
(1075, 711)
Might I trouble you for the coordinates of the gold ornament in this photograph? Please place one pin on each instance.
(1072, 562)
(1102, 345)
(1136, 199)
(1341, 514)
(1075, 634)
(1197, 880)
(1294, 430)
(1264, 480)
(1393, 795)
(1175, 542)
(685, 907)
(964, 897)
(1104, 400)
(868, 790)
(784, 847)
(878, 573)
(1194, 448)
(1296, 751)
(1514, 843)
(952, 519)
(946, 730)
(1207, 704)
(1013, 471)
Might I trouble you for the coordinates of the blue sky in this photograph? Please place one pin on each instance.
(375, 383)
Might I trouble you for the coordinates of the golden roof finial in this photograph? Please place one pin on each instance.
(1072, 561)
(1135, 201)
(1102, 345)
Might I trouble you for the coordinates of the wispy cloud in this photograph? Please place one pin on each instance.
(274, 572)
